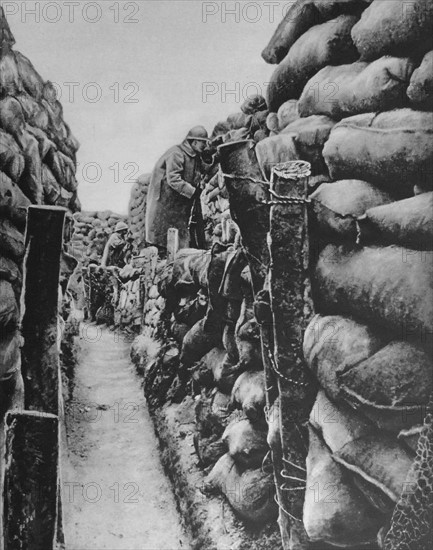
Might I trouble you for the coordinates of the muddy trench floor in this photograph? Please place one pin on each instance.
(116, 495)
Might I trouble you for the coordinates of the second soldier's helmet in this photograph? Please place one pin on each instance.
(120, 226)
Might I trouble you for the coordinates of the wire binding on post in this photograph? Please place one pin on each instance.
(285, 511)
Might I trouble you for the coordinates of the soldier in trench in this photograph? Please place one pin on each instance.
(114, 251)
(173, 198)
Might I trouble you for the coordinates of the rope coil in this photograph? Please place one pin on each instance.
(290, 173)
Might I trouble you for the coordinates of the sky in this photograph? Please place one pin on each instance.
(133, 77)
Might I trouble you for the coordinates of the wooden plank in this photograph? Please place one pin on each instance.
(31, 496)
(172, 243)
(246, 188)
(292, 308)
(40, 356)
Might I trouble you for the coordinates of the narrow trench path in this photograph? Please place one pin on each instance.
(115, 492)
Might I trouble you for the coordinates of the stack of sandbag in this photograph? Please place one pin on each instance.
(367, 65)
(92, 230)
(239, 474)
(371, 231)
(38, 150)
(328, 43)
(302, 139)
(390, 149)
(37, 166)
(137, 210)
(249, 122)
(300, 17)
(231, 430)
(364, 425)
(371, 346)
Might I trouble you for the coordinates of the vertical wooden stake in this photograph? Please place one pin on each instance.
(31, 496)
(40, 356)
(172, 243)
(291, 308)
(246, 188)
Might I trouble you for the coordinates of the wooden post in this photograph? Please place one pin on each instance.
(291, 309)
(40, 355)
(172, 243)
(31, 496)
(246, 188)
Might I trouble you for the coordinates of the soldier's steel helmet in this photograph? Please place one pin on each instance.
(120, 226)
(199, 133)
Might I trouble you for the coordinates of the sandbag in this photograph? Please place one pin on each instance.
(274, 150)
(51, 187)
(10, 271)
(327, 44)
(258, 121)
(392, 150)
(35, 113)
(336, 206)
(380, 466)
(7, 39)
(272, 123)
(12, 116)
(189, 272)
(420, 90)
(360, 87)
(63, 169)
(30, 78)
(253, 104)
(394, 27)
(249, 393)
(12, 161)
(246, 443)
(287, 113)
(208, 365)
(9, 314)
(13, 202)
(389, 287)
(310, 136)
(10, 352)
(408, 222)
(220, 129)
(237, 121)
(392, 387)
(11, 241)
(10, 81)
(225, 373)
(333, 344)
(220, 406)
(250, 493)
(299, 18)
(337, 424)
(335, 512)
(71, 141)
(331, 8)
(31, 179)
(211, 419)
(249, 345)
(46, 146)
